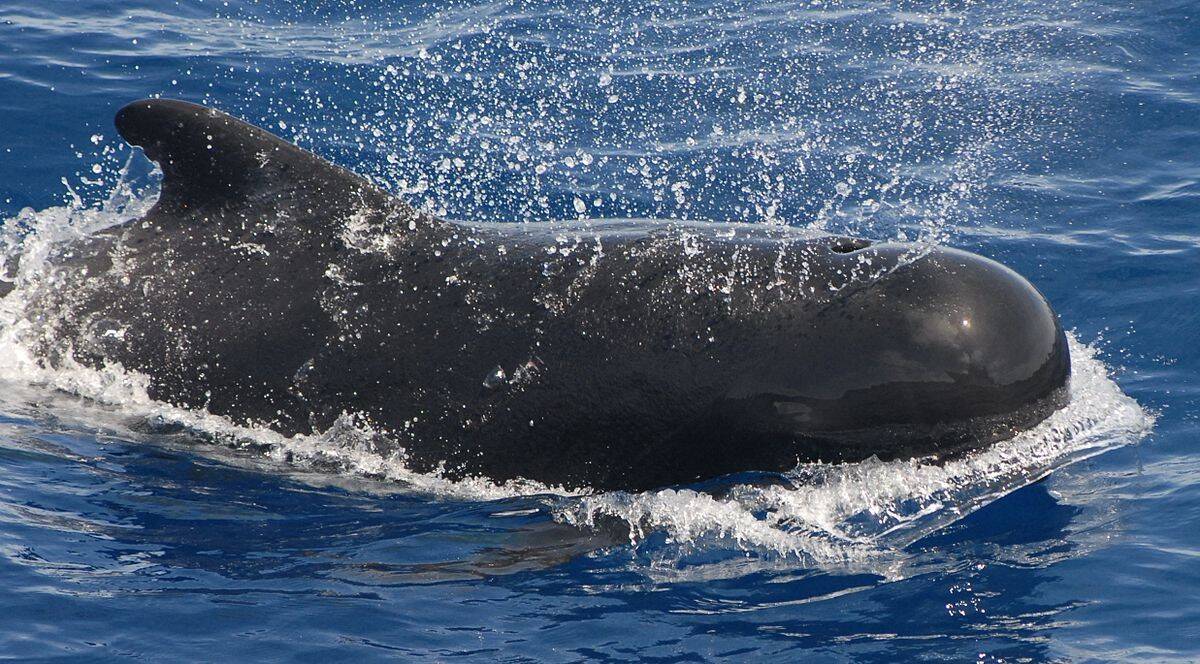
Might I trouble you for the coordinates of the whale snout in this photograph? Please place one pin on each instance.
(930, 355)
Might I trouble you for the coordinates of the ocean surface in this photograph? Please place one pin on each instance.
(1061, 137)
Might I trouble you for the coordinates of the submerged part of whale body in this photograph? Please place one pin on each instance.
(272, 287)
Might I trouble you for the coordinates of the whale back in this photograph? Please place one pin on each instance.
(217, 291)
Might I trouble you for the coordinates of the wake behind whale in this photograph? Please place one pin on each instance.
(272, 287)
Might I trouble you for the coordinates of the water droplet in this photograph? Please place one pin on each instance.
(496, 378)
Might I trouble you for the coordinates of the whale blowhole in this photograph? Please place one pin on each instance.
(848, 245)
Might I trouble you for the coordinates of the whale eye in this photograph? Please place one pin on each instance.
(846, 245)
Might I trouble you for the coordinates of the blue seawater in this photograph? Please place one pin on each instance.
(1061, 137)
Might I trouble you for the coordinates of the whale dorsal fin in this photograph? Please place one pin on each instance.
(218, 169)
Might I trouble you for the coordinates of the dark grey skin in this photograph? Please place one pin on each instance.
(272, 287)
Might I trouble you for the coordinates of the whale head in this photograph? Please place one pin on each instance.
(940, 350)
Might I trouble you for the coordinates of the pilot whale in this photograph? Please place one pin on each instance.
(274, 288)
